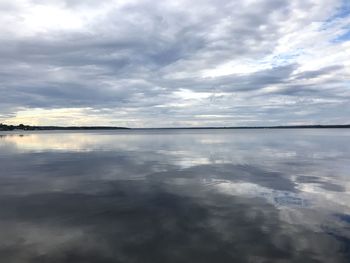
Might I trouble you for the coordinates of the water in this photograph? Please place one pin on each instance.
(175, 196)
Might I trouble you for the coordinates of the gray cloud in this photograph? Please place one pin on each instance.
(139, 56)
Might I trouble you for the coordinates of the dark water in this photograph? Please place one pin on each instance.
(175, 196)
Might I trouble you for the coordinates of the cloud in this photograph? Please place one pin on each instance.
(140, 56)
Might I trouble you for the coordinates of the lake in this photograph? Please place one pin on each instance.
(175, 196)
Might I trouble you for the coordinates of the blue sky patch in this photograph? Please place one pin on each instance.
(343, 38)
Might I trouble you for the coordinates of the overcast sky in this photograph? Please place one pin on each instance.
(174, 63)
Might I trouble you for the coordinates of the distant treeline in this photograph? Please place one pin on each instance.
(4, 127)
(266, 127)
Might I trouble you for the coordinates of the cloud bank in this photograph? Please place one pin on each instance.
(175, 63)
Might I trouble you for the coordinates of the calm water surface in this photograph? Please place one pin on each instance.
(175, 196)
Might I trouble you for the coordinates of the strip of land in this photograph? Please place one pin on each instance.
(260, 127)
(4, 127)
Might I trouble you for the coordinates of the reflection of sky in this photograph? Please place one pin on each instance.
(289, 186)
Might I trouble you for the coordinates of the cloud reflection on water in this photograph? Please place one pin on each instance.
(175, 196)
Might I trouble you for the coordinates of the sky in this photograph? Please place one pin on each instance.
(175, 63)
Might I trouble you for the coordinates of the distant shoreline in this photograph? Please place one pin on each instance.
(253, 127)
(4, 127)
(21, 127)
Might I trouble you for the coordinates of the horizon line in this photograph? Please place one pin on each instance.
(101, 127)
